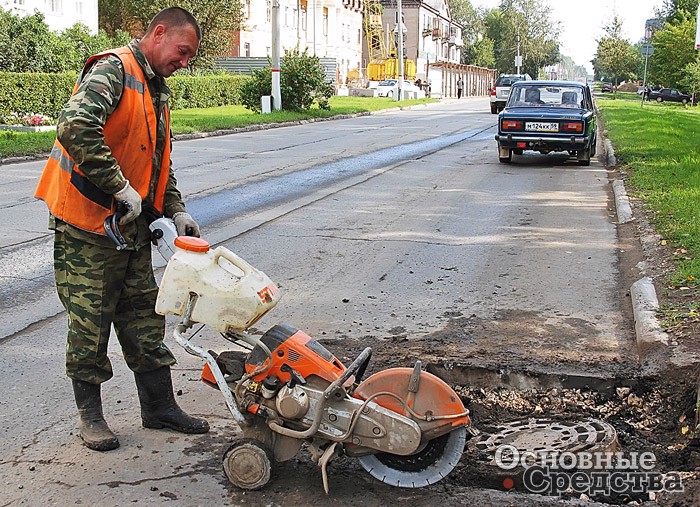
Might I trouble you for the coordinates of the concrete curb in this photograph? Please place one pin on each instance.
(622, 202)
(652, 342)
(650, 337)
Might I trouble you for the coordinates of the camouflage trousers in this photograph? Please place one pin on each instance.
(100, 286)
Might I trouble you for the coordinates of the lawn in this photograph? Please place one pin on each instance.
(186, 121)
(659, 144)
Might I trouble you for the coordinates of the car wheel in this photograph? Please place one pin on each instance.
(584, 156)
(659, 99)
(504, 155)
(685, 101)
(494, 109)
(390, 94)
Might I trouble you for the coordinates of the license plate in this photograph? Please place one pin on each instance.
(538, 126)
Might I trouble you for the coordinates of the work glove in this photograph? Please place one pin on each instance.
(131, 200)
(185, 224)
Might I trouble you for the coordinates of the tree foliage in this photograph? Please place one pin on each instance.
(28, 45)
(673, 50)
(302, 83)
(218, 19)
(616, 59)
(530, 22)
(478, 47)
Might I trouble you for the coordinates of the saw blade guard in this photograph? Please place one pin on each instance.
(418, 395)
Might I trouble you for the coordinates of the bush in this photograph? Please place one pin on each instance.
(35, 92)
(302, 84)
(205, 91)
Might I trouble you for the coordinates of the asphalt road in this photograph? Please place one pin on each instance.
(378, 227)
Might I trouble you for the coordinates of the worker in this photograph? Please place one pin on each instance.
(460, 87)
(113, 151)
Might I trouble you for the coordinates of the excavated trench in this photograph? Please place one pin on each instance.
(536, 409)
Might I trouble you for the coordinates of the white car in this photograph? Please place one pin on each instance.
(390, 87)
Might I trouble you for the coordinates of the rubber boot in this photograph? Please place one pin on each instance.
(158, 406)
(93, 428)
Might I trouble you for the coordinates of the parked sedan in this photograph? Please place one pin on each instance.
(670, 95)
(390, 87)
(548, 116)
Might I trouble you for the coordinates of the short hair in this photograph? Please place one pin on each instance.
(174, 17)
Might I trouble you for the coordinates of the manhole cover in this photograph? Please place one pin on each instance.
(545, 436)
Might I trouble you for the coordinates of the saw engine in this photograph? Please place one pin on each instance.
(406, 426)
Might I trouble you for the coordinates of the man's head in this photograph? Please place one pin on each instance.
(171, 40)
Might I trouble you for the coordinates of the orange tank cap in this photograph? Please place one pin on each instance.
(192, 244)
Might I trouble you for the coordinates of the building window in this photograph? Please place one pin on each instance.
(295, 18)
(246, 9)
(302, 6)
(246, 49)
(325, 21)
(78, 8)
(359, 36)
(286, 16)
(55, 5)
(269, 10)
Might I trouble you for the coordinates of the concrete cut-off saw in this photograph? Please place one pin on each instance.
(406, 426)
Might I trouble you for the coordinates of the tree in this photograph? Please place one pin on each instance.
(478, 47)
(673, 50)
(218, 19)
(615, 59)
(691, 77)
(26, 43)
(528, 21)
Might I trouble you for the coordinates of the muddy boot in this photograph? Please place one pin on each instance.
(93, 427)
(158, 406)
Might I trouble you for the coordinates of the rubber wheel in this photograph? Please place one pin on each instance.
(494, 109)
(584, 156)
(505, 160)
(659, 99)
(247, 464)
(684, 101)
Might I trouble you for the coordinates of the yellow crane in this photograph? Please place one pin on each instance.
(383, 63)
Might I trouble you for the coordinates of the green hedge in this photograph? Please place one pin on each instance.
(205, 91)
(33, 92)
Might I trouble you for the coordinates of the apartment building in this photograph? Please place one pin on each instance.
(326, 28)
(58, 14)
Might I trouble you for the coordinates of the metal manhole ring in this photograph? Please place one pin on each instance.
(544, 436)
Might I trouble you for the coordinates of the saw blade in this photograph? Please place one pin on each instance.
(429, 465)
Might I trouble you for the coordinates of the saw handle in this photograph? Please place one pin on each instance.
(358, 365)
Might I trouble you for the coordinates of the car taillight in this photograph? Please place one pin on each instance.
(572, 126)
(493, 90)
(511, 125)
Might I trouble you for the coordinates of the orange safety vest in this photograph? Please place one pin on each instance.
(130, 132)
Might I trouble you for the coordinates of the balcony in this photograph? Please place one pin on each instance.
(437, 33)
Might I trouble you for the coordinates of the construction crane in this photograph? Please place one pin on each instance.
(383, 63)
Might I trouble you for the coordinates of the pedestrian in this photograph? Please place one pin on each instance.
(460, 87)
(113, 148)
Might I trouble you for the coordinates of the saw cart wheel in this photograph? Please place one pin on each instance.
(247, 464)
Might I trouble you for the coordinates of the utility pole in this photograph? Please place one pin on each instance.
(399, 35)
(518, 58)
(276, 49)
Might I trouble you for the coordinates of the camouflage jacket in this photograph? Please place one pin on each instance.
(79, 130)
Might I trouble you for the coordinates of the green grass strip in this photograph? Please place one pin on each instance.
(660, 147)
(186, 121)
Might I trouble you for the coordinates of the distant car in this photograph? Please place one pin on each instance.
(548, 116)
(390, 87)
(670, 95)
(607, 88)
(501, 89)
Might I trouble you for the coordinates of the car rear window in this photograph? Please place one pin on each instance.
(507, 80)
